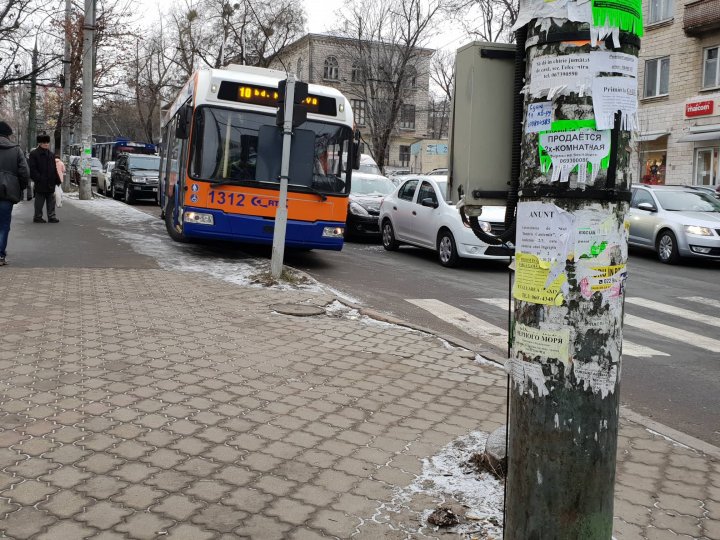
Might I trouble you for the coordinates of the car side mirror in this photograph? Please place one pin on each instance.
(647, 207)
(431, 203)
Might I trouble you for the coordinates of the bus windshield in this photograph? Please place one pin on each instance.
(225, 147)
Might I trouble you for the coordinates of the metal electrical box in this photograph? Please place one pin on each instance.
(481, 124)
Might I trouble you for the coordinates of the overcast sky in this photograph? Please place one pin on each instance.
(320, 16)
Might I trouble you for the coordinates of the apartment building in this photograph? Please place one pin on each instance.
(324, 59)
(679, 78)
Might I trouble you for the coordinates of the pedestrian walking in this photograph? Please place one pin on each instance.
(14, 178)
(44, 174)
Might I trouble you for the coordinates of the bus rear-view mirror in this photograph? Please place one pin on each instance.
(182, 130)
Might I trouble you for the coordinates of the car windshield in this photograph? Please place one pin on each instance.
(371, 186)
(369, 168)
(144, 163)
(226, 141)
(687, 201)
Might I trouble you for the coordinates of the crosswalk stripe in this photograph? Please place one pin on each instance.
(469, 324)
(629, 348)
(701, 300)
(672, 310)
(674, 333)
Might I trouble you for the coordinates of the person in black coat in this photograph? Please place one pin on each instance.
(14, 178)
(45, 177)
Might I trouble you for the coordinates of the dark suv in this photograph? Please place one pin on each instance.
(135, 176)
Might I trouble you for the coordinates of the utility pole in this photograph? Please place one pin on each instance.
(278, 246)
(32, 113)
(87, 99)
(570, 264)
(64, 128)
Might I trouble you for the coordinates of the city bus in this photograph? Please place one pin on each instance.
(110, 150)
(210, 186)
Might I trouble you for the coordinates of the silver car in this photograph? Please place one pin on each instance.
(675, 221)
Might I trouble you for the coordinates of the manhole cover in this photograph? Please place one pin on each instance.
(298, 310)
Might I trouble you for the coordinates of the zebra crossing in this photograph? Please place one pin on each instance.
(705, 326)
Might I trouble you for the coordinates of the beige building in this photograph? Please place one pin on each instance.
(679, 85)
(321, 59)
(429, 154)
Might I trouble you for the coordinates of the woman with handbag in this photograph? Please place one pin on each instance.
(14, 178)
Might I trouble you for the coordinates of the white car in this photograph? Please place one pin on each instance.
(419, 213)
(103, 185)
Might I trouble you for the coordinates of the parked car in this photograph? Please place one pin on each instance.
(135, 176)
(710, 190)
(419, 213)
(366, 194)
(103, 185)
(96, 170)
(675, 222)
(438, 172)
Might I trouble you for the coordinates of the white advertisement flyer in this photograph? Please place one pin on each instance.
(569, 149)
(544, 230)
(614, 62)
(612, 94)
(539, 117)
(556, 74)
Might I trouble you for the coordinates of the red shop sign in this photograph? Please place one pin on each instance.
(699, 108)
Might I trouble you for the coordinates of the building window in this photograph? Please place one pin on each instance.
(404, 156)
(299, 68)
(331, 69)
(358, 107)
(411, 77)
(407, 117)
(657, 76)
(654, 164)
(706, 166)
(710, 68)
(356, 75)
(660, 10)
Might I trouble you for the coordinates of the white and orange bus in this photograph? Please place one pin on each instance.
(209, 186)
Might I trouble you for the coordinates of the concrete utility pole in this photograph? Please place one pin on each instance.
(87, 99)
(64, 128)
(571, 254)
(278, 246)
(32, 112)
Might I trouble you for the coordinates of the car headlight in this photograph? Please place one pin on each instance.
(485, 226)
(697, 229)
(139, 180)
(358, 210)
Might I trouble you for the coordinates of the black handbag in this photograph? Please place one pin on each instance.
(10, 187)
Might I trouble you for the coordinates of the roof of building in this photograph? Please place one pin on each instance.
(332, 37)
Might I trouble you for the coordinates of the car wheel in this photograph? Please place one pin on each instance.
(172, 229)
(113, 192)
(447, 251)
(128, 196)
(388, 236)
(667, 249)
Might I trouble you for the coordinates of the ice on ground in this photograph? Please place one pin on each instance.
(448, 477)
(147, 236)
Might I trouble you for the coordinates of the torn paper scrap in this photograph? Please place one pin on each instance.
(612, 94)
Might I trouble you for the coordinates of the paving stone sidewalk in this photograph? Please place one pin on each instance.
(146, 403)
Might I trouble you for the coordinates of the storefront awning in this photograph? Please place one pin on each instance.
(702, 136)
(651, 135)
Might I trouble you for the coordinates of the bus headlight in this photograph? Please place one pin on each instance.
(333, 232)
(198, 218)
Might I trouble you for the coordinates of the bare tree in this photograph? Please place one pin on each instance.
(385, 46)
(442, 72)
(486, 20)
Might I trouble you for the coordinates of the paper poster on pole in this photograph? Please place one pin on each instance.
(613, 62)
(523, 373)
(612, 94)
(533, 342)
(539, 117)
(531, 276)
(570, 149)
(556, 74)
(544, 230)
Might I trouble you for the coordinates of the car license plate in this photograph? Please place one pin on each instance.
(154, 190)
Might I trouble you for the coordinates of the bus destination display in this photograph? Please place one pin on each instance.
(264, 95)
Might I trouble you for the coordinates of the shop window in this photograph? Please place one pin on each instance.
(710, 68)
(657, 77)
(358, 107)
(331, 69)
(706, 166)
(660, 10)
(654, 164)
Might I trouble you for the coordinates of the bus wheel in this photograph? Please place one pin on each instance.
(172, 229)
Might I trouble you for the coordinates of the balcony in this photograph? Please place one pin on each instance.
(701, 16)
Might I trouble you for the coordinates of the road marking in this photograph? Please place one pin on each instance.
(629, 348)
(673, 333)
(672, 310)
(469, 324)
(705, 301)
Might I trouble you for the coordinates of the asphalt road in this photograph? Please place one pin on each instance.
(674, 382)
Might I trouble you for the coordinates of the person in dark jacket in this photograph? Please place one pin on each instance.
(45, 177)
(14, 178)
